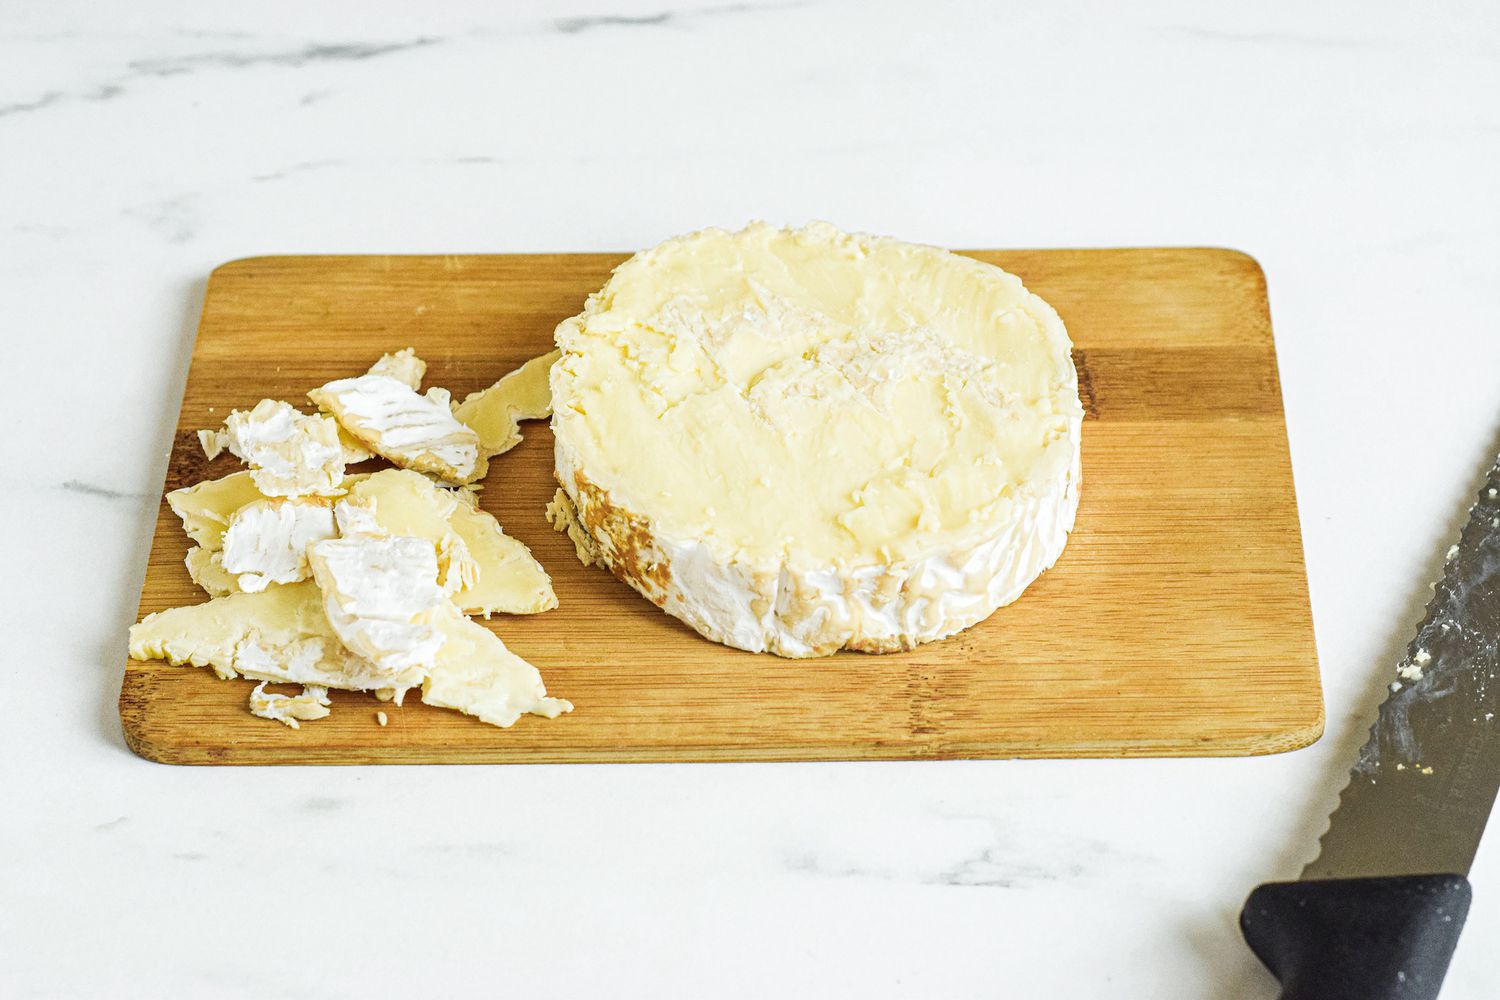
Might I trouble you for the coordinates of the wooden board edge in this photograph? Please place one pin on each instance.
(135, 718)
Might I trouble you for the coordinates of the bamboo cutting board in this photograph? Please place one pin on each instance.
(1176, 622)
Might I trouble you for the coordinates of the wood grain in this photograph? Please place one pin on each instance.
(1176, 623)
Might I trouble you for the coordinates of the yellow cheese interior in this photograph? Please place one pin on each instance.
(814, 397)
(495, 413)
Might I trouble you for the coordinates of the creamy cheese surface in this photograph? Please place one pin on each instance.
(815, 397)
(731, 408)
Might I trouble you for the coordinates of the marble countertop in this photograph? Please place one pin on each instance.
(1350, 148)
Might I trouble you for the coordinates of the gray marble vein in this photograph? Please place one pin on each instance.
(102, 492)
(296, 168)
(52, 97)
(174, 219)
(308, 55)
(578, 25)
(170, 66)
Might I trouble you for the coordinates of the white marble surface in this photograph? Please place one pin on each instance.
(1351, 148)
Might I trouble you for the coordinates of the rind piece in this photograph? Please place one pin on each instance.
(478, 676)
(509, 579)
(205, 507)
(496, 413)
(402, 502)
(267, 540)
(380, 595)
(563, 516)
(413, 431)
(290, 453)
(280, 634)
(494, 571)
(206, 568)
(290, 710)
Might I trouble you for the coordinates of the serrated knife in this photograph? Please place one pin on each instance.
(1377, 915)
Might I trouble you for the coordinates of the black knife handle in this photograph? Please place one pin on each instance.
(1387, 938)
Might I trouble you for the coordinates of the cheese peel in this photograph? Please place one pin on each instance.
(478, 676)
(402, 502)
(563, 517)
(496, 413)
(280, 635)
(413, 431)
(205, 507)
(802, 440)
(508, 578)
(493, 571)
(267, 540)
(206, 568)
(404, 366)
(290, 453)
(380, 594)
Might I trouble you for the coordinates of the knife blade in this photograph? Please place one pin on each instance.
(1378, 913)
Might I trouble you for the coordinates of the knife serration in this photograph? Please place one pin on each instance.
(1421, 791)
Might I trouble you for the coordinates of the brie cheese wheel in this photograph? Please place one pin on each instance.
(800, 441)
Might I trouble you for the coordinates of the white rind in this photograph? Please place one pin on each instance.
(878, 608)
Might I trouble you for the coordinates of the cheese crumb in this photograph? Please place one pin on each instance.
(290, 710)
(212, 443)
(563, 516)
(380, 718)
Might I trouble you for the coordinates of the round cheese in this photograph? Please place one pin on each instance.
(799, 441)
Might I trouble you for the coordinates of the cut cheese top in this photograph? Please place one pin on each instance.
(814, 398)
